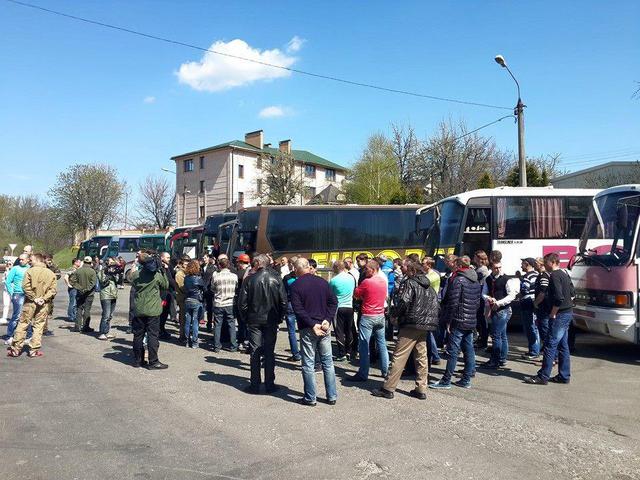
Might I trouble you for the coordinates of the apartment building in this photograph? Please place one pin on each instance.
(225, 177)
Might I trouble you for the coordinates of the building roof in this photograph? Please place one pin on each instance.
(300, 155)
(594, 169)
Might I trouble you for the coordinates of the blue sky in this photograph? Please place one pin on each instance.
(74, 93)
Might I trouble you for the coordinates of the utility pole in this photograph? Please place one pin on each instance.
(518, 111)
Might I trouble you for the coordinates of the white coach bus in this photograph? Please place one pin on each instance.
(520, 222)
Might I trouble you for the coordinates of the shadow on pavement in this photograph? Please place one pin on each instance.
(120, 354)
(227, 362)
(240, 383)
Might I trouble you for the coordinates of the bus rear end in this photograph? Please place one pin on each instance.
(605, 272)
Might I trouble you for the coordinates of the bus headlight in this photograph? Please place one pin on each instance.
(599, 298)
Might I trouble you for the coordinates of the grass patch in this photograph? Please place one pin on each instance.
(64, 257)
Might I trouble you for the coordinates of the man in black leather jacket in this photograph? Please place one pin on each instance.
(416, 309)
(459, 316)
(263, 305)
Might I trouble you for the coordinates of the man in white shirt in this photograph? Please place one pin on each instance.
(499, 291)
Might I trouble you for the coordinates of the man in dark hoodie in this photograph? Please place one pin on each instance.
(459, 316)
(149, 282)
(416, 308)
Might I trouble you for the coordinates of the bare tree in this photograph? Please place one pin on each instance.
(454, 161)
(406, 149)
(156, 203)
(87, 195)
(280, 180)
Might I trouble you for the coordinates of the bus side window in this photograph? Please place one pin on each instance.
(577, 211)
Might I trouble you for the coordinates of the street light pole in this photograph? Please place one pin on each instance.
(519, 113)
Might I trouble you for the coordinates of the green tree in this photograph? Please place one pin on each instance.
(87, 196)
(486, 181)
(375, 177)
(535, 177)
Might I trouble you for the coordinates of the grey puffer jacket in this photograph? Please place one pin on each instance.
(416, 303)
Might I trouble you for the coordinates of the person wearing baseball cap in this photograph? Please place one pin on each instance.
(527, 297)
(242, 269)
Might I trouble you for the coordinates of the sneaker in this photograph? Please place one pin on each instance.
(462, 384)
(293, 358)
(535, 380)
(382, 393)
(354, 378)
(8, 341)
(331, 402)
(157, 366)
(87, 330)
(529, 356)
(440, 385)
(35, 354)
(306, 403)
(194, 346)
(559, 379)
(110, 336)
(103, 337)
(419, 395)
(341, 358)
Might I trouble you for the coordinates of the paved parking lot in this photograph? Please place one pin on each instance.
(82, 412)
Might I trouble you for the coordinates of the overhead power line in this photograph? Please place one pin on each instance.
(237, 57)
(484, 126)
(624, 157)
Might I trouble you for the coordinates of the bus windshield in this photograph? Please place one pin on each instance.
(612, 223)
(451, 214)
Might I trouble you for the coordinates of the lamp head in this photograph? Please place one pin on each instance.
(500, 61)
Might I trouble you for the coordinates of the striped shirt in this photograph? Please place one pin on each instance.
(223, 285)
(528, 284)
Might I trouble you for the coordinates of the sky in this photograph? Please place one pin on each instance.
(72, 92)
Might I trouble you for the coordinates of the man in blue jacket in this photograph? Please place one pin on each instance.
(14, 289)
(459, 316)
(315, 306)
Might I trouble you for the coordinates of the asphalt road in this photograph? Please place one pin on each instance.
(81, 412)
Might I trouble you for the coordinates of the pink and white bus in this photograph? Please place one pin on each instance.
(520, 222)
(605, 271)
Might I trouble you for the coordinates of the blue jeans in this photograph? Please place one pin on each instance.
(108, 307)
(310, 344)
(460, 340)
(557, 343)
(17, 301)
(193, 310)
(432, 347)
(500, 348)
(530, 329)
(291, 329)
(71, 309)
(224, 315)
(372, 325)
(542, 319)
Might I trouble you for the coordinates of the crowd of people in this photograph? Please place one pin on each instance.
(366, 303)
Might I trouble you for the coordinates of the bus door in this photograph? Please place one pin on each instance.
(228, 237)
(476, 234)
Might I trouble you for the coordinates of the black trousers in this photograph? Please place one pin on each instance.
(346, 337)
(262, 339)
(168, 309)
(208, 307)
(150, 326)
(482, 327)
(83, 310)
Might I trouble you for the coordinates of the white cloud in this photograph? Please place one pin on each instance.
(149, 99)
(295, 44)
(274, 111)
(214, 73)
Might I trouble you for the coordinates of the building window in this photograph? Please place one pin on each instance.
(240, 171)
(201, 211)
(330, 174)
(309, 192)
(188, 165)
(241, 198)
(201, 186)
(259, 185)
(310, 171)
(201, 163)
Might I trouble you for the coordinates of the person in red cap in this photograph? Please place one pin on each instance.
(242, 270)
